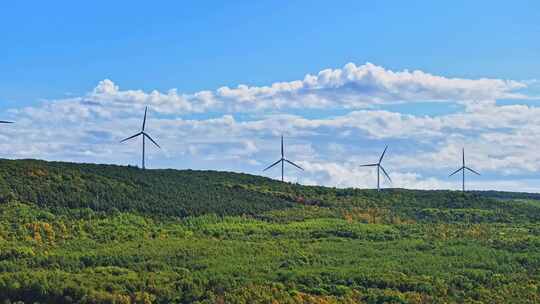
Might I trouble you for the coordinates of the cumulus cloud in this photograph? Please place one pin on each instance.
(351, 175)
(500, 139)
(350, 87)
(361, 86)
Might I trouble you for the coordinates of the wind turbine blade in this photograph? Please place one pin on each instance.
(123, 140)
(456, 171)
(472, 170)
(297, 166)
(144, 121)
(272, 165)
(386, 174)
(382, 155)
(463, 157)
(370, 165)
(282, 152)
(151, 139)
(6, 122)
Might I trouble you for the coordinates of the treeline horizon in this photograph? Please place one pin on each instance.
(503, 194)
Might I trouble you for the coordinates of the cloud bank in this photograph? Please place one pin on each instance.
(236, 128)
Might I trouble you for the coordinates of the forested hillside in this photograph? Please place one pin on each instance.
(84, 233)
(106, 187)
(177, 193)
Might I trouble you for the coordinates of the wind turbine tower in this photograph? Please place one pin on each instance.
(379, 168)
(283, 160)
(144, 137)
(463, 169)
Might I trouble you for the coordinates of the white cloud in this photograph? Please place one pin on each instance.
(499, 139)
(351, 175)
(350, 87)
(361, 86)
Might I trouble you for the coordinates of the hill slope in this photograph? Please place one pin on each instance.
(81, 233)
(191, 193)
(104, 187)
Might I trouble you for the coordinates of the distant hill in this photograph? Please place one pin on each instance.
(190, 193)
(505, 195)
(106, 187)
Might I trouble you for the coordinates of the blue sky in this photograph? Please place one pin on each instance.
(54, 55)
(52, 48)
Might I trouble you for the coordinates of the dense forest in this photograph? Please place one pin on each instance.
(85, 233)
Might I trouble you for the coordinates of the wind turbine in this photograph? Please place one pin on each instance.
(283, 160)
(379, 168)
(463, 169)
(144, 136)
